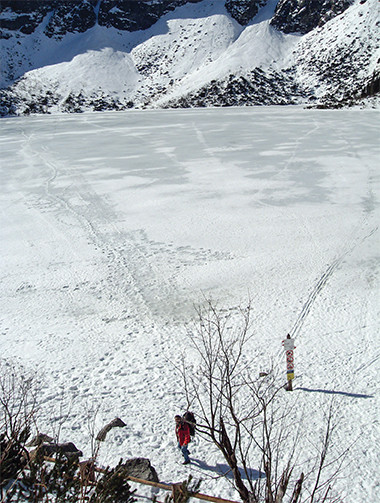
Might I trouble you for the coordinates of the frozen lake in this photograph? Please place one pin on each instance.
(114, 225)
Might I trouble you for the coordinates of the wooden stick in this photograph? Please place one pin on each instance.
(160, 485)
(168, 487)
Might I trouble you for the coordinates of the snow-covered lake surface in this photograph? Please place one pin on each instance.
(114, 225)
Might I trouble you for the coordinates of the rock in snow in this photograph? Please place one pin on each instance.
(115, 423)
(302, 16)
(80, 55)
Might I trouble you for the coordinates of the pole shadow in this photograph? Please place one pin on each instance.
(332, 392)
(224, 470)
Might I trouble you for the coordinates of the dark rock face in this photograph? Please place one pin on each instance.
(302, 16)
(255, 88)
(135, 15)
(372, 87)
(126, 15)
(23, 15)
(65, 16)
(243, 10)
(70, 16)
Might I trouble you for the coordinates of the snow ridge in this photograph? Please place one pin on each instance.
(190, 53)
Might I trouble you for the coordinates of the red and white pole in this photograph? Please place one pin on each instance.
(289, 347)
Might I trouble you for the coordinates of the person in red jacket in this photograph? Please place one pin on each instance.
(182, 432)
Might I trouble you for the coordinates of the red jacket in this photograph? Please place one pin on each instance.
(183, 433)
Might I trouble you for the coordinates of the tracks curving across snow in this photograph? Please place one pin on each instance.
(324, 278)
(113, 225)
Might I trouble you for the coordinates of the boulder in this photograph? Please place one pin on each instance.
(140, 468)
(68, 449)
(115, 423)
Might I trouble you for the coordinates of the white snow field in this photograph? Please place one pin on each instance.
(114, 225)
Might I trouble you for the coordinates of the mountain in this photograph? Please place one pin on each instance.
(78, 55)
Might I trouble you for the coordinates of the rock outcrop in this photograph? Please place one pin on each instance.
(115, 423)
(302, 16)
(140, 468)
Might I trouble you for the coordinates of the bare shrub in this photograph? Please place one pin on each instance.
(51, 473)
(18, 398)
(249, 418)
(18, 411)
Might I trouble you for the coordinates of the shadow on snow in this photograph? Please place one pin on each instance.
(332, 392)
(224, 470)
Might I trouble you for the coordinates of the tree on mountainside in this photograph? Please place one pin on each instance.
(247, 418)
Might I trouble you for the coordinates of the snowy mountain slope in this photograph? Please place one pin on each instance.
(335, 60)
(348, 52)
(259, 46)
(193, 50)
(190, 46)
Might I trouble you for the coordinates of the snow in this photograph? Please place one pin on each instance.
(353, 36)
(184, 51)
(92, 71)
(114, 225)
(258, 46)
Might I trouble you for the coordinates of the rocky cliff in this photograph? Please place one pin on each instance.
(74, 55)
(302, 16)
(70, 16)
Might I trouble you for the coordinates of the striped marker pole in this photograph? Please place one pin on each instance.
(289, 347)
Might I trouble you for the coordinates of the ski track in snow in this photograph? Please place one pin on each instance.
(321, 283)
(114, 225)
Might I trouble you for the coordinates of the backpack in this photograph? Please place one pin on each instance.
(189, 418)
